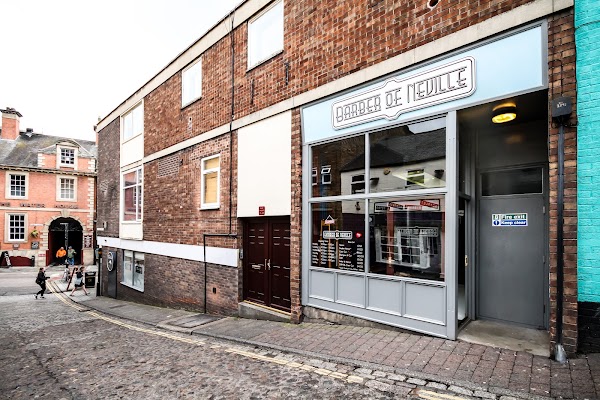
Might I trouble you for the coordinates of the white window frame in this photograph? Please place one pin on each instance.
(128, 119)
(192, 82)
(204, 172)
(254, 36)
(8, 186)
(59, 158)
(7, 229)
(130, 263)
(59, 179)
(139, 192)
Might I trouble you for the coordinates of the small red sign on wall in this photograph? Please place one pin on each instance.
(261, 210)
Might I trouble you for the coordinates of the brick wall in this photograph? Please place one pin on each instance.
(296, 219)
(587, 35)
(561, 72)
(324, 41)
(109, 179)
(172, 197)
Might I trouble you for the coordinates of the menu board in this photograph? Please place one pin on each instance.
(343, 254)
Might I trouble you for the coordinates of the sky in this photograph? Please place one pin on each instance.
(64, 63)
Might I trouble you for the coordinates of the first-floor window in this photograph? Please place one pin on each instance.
(66, 189)
(16, 227)
(133, 269)
(132, 195)
(210, 182)
(18, 186)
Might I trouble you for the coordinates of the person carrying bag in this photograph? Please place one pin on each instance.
(41, 280)
(79, 281)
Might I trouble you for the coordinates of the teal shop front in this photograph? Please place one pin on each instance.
(419, 211)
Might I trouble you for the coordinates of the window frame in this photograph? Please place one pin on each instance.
(196, 64)
(123, 122)
(59, 179)
(260, 60)
(139, 207)
(59, 157)
(129, 281)
(8, 186)
(203, 173)
(7, 229)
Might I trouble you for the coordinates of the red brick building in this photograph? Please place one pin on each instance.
(47, 195)
(335, 159)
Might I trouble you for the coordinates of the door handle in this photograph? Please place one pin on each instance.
(269, 264)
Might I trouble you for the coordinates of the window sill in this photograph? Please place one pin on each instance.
(210, 207)
(16, 198)
(189, 103)
(259, 63)
(68, 200)
(133, 287)
(132, 222)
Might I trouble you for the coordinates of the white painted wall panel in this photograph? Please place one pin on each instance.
(132, 150)
(265, 167)
(131, 231)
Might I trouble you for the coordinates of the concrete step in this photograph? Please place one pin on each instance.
(256, 311)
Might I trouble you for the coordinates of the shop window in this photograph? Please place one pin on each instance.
(132, 122)
(16, 185)
(340, 161)
(409, 157)
(338, 237)
(133, 270)
(265, 35)
(211, 171)
(15, 229)
(191, 83)
(407, 238)
(132, 195)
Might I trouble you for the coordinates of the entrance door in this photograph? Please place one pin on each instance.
(512, 246)
(267, 262)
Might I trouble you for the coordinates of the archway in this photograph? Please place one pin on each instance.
(65, 232)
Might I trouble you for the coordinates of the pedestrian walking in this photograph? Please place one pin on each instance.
(71, 255)
(60, 255)
(41, 280)
(79, 281)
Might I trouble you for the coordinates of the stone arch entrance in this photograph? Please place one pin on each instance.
(65, 232)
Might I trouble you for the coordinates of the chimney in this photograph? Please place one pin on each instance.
(10, 124)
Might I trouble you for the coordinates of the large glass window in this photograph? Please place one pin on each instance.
(132, 195)
(133, 269)
(409, 157)
(407, 237)
(336, 164)
(265, 35)
(405, 234)
(191, 83)
(338, 235)
(66, 189)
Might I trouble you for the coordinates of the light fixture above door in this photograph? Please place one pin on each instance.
(505, 112)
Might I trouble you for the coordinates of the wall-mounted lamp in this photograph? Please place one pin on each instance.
(504, 113)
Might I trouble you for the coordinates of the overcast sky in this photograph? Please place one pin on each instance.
(64, 63)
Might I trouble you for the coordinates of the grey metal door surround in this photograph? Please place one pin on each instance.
(512, 259)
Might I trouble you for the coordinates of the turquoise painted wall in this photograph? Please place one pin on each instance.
(587, 39)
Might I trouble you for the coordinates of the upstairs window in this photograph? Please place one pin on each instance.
(133, 122)
(265, 35)
(326, 175)
(191, 83)
(211, 171)
(358, 183)
(67, 189)
(16, 186)
(132, 195)
(66, 156)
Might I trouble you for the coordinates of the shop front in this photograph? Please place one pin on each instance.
(422, 212)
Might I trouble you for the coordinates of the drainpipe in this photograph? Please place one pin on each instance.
(559, 352)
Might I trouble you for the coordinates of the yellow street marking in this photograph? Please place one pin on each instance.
(426, 394)
(355, 379)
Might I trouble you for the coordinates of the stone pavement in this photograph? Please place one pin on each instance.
(467, 369)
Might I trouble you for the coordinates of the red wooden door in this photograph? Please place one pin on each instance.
(267, 262)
